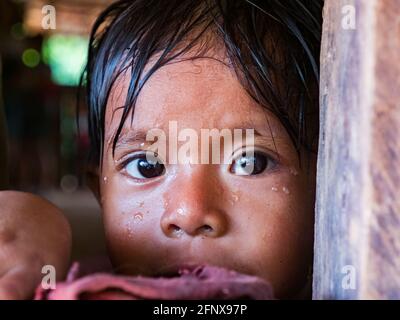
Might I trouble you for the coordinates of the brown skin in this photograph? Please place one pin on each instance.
(259, 224)
(33, 233)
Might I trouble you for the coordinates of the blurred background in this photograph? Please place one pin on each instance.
(40, 71)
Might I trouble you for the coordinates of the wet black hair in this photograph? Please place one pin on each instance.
(273, 46)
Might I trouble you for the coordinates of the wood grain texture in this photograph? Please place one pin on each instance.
(358, 181)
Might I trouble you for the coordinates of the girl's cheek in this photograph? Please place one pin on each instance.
(128, 212)
(280, 197)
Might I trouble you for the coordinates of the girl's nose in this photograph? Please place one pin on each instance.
(194, 210)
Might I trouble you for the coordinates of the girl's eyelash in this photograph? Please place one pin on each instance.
(270, 154)
(273, 160)
(122, 163)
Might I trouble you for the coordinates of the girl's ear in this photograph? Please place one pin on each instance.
(92, 180)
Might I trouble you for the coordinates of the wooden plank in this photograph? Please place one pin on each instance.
(357, 231)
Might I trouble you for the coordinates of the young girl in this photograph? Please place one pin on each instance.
(216, 65)
(207, 65)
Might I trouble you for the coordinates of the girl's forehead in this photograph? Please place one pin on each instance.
(203, 93)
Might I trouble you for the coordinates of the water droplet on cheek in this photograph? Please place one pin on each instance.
(234, 197)
(181, 211)
(275, 189)
(129, 231)
(138, 217)
(293, 171)
(285, 190)
(105, 179)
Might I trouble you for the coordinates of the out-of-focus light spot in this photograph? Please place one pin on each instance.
(66, 55)
(17, 31)
(69, 183)
(31, 58)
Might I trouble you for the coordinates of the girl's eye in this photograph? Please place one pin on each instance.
(246, 165)
(142, 167)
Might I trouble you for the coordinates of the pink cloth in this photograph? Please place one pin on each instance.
(199, 283)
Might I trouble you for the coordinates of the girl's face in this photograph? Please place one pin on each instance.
(160, 217)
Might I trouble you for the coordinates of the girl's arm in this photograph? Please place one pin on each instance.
(33, 233)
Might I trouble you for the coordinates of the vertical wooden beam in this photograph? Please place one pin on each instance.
(357, 231)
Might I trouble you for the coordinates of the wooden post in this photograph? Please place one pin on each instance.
(357, 231)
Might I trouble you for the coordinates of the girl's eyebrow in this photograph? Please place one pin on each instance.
(130, 138)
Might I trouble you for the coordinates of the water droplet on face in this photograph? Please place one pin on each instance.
(235, 197)
(285, 190)
(275, 189)
(166, 203)
(138, 217)
(130, 231)
(178, 232)
(293, 171)
(180, 211)
(142, 144)
(105, 179)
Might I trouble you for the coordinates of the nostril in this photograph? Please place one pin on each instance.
(206, 229)
(175, 230)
